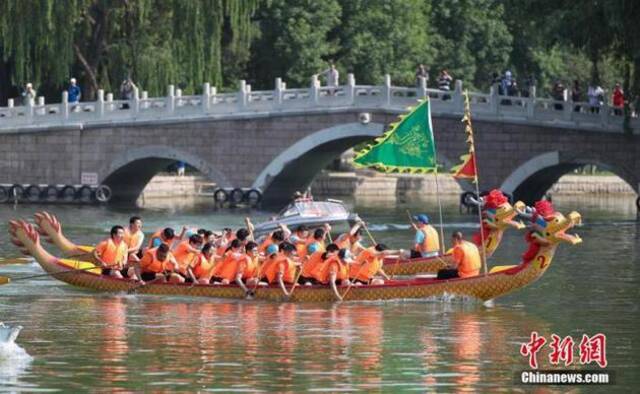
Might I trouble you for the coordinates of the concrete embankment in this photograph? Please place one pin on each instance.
(391, 187)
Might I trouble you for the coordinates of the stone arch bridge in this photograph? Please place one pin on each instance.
(279, 140)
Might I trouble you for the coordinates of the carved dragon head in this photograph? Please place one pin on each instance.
(556, 226)
(499, 213)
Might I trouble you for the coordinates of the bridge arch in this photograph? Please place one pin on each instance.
(296, 166)
(129, 172)
(531, 180)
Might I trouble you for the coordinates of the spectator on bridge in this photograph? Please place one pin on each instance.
(421, 72)
(617, 99)
(507, 83)
(595, 95)
(333, 77)
(576, 94)
(28, 94)
(557, 92)
(180, 168)
(74, 93)
(127, 89)
(444, 83)
(529, 85)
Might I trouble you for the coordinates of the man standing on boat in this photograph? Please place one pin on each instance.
(466, 258)
(427, 241)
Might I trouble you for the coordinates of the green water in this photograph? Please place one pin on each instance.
(81, 341)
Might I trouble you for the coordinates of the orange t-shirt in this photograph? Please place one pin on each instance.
(184, 255)
(133, 240)
(280, 264)
(323, 271)
(150, 262)
(111, 253)
(365, 266)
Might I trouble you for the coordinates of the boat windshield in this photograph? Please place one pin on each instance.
(320, 208)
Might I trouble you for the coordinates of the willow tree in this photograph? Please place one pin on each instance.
(156, 42)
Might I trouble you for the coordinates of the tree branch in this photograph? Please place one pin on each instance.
(90, 71)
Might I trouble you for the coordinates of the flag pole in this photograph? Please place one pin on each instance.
(435, 159)
(475, 177)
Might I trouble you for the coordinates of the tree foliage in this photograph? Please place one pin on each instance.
(189, 42)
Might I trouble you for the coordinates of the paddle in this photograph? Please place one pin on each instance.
(4, 279)
(364, 225)
(15, 260)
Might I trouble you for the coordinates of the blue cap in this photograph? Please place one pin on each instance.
(271, 249)
(422, 218)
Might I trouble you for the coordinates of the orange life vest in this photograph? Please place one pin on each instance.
(248, 266)
(228, 267)
(158, 235)
(323, 271)
(344, 241)
(309, 267)
(467, 256)
(280, 263)
(133, 240)
(365, 266)
(431, 241)
(150, 262)
(111, 253)
(184, 256)
(265, 244)
(202, 267)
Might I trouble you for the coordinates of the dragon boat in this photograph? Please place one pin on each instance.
(484, 287)
(498, 216)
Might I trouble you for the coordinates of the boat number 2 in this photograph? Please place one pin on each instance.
(543, 261)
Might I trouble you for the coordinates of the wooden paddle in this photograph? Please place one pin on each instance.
(5, 280)
(15, 260)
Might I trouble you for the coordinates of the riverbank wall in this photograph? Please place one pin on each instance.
(375, 186)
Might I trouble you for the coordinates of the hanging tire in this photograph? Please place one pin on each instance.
(50, 193)
(103, 193)
(16, 192)
(465, 199)
(68, 193)
(86, 194)
(33, 193)
(253, 197)
(220, 196)
(236, 196)
(4, 194)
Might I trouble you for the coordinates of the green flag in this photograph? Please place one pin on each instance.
(407, 147)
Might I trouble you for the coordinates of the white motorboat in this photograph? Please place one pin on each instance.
(305, 211)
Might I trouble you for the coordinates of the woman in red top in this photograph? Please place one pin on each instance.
(617, 97)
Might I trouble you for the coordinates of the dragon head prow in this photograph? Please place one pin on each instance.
(499, 212)
(26, 237)
(558, 224)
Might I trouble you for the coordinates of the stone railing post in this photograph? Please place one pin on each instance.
(494, 99)
(386, 90)
(109, 102)
(458, 99)
(214, 92)
(143, 98)
(206, 97)
(136, 100)
(604, 113)
(10, 103)
(178, 99)
(313, 89)
(41, 110)
(568, 106)
(65, 104)
(100, 103)
(350, 88)
(170, 99)
(247, 89)
(531, 103)
(421, 90)
(277, 93)
(242, 94)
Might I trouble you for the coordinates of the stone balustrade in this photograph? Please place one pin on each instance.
(248, 103)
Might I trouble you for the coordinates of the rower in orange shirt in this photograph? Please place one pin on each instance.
(351, 240)
(466, 258)
(313, 261)
(299, 239)
(158, 263)
(280, 268)
(316, 242)
(112, 253)
(203, 264)
(368, 264)
(134, 237)
(334, 269)
(185, 254)
(224, 271)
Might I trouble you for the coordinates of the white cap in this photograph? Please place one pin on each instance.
(507, 73)
(29, 85)
(72, 80)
